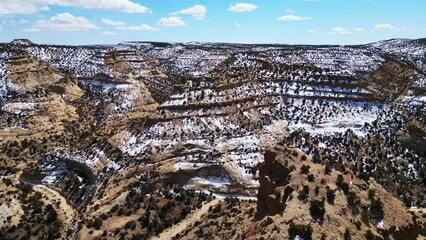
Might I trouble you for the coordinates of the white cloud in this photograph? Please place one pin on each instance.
(171, 22)
(384, 26)
(34, 6)
(197, 11)
(292, 18)
(242, 7)
(9, 7)
(31, 30)
(66, 22)
(314, 32)
(340, 30)
(359, 29)
(109, 33)
(237, 24)
(142, 27)
(110, 22)
(45, 8)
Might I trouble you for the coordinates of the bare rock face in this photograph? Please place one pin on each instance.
(391, 79)
(28, 72)
(409, 231)
(274, 176)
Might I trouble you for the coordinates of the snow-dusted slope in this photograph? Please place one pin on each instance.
(407, 49)
(207, 112)
(224, 120)
(80, 61)
(5, 83)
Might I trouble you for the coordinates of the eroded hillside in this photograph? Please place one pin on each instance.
(94, 139)
(299, 199)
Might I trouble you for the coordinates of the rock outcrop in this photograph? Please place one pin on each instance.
(273, 192)
(289, 184)
(409, 231)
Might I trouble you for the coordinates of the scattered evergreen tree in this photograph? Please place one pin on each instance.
(304, 169)
(339, 180)
(331, 196)
(347, 234)
(317, 209)
(376, 209)
(303, 195)
(353, 199)
(303, 231)
(345, 187)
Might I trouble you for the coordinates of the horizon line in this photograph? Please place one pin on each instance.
(200, 42)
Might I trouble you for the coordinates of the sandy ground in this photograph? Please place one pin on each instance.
(191, 219)
(417, 210)
(12, 209)
(65, 212)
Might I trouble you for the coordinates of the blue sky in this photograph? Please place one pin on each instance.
(254, 21)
